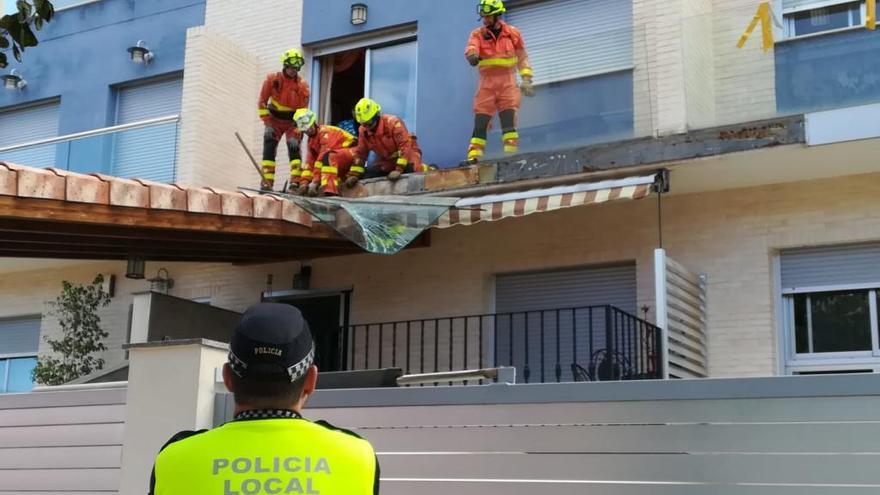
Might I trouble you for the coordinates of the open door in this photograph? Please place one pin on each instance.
(327, 313)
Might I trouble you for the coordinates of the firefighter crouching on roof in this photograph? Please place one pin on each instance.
(282, 93)
(269, 448)
(397, 151)
(331, 155)
(498, 50)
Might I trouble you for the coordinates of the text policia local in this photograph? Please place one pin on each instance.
(248, 476)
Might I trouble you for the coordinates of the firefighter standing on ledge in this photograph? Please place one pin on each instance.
(498, 50)
(282, 93)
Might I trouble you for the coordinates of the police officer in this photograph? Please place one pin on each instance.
(268, 448)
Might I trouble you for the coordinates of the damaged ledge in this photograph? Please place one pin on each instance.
(631, 154)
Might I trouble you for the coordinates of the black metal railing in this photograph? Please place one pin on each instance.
(592, 343)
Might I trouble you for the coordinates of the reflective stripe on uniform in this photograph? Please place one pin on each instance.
(296, 163)
(478, 141)
(358, 170)
(402, 161)
(295, 172)
(526, 72)
(263, 112)
(307, 174)
(499, 62)
(279, 106)
(329, 170)
(510, 149)
(510, 135)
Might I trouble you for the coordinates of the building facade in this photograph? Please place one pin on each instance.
(770, 153)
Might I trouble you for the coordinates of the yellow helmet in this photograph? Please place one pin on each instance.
(294, 58)
(491, 7)
(304, 119)
(366, 110)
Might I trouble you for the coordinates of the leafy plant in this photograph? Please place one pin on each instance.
(17, 30)
(77, 311)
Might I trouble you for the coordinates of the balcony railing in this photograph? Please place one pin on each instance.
(144, 150)
(591, 343)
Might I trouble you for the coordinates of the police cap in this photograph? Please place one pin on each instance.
(272, 342)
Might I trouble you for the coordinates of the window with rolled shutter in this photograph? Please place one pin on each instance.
(150, 152)
(571, 39)
(26, 124)
(526, 334)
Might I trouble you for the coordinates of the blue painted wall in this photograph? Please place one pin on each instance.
(82, 56)
(594, 109)
(831, 71)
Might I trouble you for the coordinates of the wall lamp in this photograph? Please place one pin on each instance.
(162, 282)
(140, 54)
(13, 80)
(358, 14)
(135, 268)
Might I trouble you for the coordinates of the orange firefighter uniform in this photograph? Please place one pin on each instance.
(331, 156)
(501, 54)
(279, 99)
(394, 146)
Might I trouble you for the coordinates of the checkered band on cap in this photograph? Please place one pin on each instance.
(300, 369)
(238, 366)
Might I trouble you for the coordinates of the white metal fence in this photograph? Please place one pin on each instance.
(681, 313)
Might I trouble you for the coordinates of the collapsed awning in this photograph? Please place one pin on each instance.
(468, 211)
(387, 224)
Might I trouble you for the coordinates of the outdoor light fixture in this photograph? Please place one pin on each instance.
(13, 80)
(358, 14)
(162, 282)
(135, 268)
(140, 54)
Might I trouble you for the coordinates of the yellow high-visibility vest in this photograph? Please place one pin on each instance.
(268, 457)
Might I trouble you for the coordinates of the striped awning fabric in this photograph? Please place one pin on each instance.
(469, 211)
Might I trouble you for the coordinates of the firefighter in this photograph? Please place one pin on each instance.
(268, 447)
(282, 93)
(396, 150)
(498, 50)
(331, 155)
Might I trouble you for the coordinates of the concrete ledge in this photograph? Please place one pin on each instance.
(176, 343)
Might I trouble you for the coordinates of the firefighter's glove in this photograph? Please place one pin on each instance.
(351, 181)
(394, 175)
(313, 189)
(528, 89)
(473, 59)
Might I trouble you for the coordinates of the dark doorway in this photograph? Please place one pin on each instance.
(347, 72)
(327, 315)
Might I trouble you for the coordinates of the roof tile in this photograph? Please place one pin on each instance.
(126, 192)
(85, 188)
(40, 183)
(165, 196)
(235, 203)
(202, 200)
(8, 180)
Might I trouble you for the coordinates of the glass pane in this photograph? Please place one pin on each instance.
(801, 330)
(20, 374)
(393, 80)
(4, 363)
(841, 321)
(825, 19)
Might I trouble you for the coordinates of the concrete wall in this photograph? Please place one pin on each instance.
(226, 62)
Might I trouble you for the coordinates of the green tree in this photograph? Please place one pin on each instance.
(77, 312)
(17, 30)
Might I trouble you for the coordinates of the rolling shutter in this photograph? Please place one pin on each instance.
(527, 338)
(151, 152)
(571, 39)
(831, 266)
(19, 335)
(27, 124)
(789, 6)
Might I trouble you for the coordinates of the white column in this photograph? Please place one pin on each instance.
(170, 388)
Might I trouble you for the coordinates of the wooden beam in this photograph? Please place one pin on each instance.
(13, 207)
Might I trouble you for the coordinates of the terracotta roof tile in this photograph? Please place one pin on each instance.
(165, 196)
(62, 185)
(203, 200)
(85, 188)
(8, 180)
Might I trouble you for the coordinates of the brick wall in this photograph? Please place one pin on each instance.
(226, 63)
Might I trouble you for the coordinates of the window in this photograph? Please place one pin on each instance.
(27, 124)
(810, 17)
(19, 341)
(385, 71)
(830, 308)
